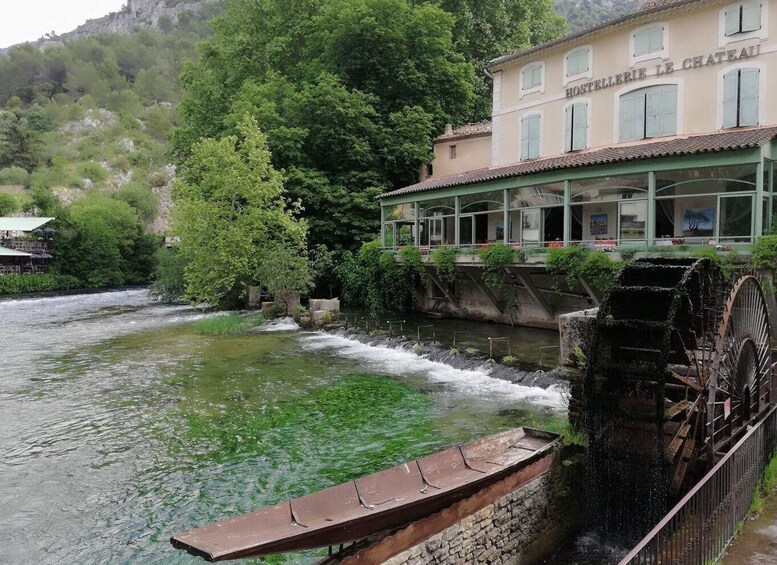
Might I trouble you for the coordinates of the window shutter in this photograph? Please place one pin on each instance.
(577, 62)
(632, 116)
(524, 138)
(653, 117)
(669, 110)
(569, 129)
(731, 99)
(642, 42)
(751, 16)
(580, 127)
(656, 40)
(537, 76)
(748, 97)
(534, 137)
(732, 20)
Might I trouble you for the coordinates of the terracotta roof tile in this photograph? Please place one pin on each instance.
(470, 130)
(687, 145)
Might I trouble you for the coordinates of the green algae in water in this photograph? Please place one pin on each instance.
(356, 426)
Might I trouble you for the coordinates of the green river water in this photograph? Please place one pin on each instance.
(120, 425)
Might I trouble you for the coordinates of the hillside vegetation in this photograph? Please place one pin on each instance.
(84, 137)
(582, 14)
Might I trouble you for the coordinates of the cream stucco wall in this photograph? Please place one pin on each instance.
(692, 31)
(471, 153)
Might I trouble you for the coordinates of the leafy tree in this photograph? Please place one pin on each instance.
(168, 284)
(231, 215)
(19, 146)
(8, 204)
(284, 272)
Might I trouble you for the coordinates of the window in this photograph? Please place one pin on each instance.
(531, 77)
(740, 98)
(648, 40)
(578, 62)
(452, 151)
(743, 18)
(648, 112)
(576, 129)
(530, 137)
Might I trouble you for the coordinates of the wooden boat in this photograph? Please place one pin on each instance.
(377, 503)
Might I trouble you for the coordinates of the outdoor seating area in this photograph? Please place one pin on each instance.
(26, 246)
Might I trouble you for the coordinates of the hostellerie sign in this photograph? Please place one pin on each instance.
(717, 58)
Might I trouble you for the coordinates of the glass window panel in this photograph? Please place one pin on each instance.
(465, 230)
(388, 235)
(530, 226)
(709, 180)
(736, 217)
(540, 195)
(633, 220)
(405, 234)
(610, 188)
(483, 202)
(438, 207)
(399, 212)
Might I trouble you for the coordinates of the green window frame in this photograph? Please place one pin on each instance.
(648, 112)
(744, 17)
(531, 77)
(578, 62)
(741, 97)
(576, 128)
(531, 133)
(648, 40)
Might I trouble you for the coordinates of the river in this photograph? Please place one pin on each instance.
(121, 425)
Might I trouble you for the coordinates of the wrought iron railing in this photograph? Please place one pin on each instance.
(704, 522)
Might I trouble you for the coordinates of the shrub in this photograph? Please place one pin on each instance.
(168, 284)
(14, 176)
(412, 262)
(444, 259)
(8, 204)
(765, 252)
(92, 171)
(571, 263)
(25, 284)
(496, 258)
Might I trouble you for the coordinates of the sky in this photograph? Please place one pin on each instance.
(27, 20)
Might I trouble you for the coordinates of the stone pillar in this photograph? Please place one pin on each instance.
(576, 330)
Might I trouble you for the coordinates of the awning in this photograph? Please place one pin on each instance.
(22, 224)
(5, 252)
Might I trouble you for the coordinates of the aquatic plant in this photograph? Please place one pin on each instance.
(229, 325)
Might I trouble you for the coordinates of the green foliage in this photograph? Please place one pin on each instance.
(14, 176)
(24, 284)
(350, 92)
(596, 267)
(168, 283)
(373, 280)
(726, 261)
(444, 260)
(412, 264)
(141, 198)
(284, 272)
(582, 14)
(495, 258)
(101, 241)
(8, 204)
(765, 488)
(765, 252)
(231, 216)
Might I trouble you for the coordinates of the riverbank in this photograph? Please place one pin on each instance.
(63, 290)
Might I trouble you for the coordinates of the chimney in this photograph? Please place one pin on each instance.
(448, 129)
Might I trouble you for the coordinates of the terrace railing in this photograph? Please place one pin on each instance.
(700, 527)
(27, 245)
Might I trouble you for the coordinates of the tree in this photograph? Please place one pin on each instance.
(230, 210)
(19, 146)
(284, 272)
(8, 204)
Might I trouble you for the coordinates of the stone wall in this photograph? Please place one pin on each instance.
(522, 527)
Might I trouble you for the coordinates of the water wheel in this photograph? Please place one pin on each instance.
(679, 365)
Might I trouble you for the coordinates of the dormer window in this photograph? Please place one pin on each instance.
(532, 76)
(577, 64)
(744, 17)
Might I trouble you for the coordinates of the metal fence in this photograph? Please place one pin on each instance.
(699, 528)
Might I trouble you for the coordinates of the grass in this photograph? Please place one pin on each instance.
(229, 325)
(765, 487)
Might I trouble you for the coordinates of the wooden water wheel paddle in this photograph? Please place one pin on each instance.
(679, 366)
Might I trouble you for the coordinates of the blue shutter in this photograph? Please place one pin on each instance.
(669, 110)
(751, 16)
(731, 99)
(580, 126)
(568, 128)
(661, 107)
(534, 137)
(642, 42)
(732, 19)
(537, 75)
(656, 40)
(524, 138)
(577, 62)
(632, 117)
(748, 97)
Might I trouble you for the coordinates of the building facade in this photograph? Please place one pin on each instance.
(655, 129)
